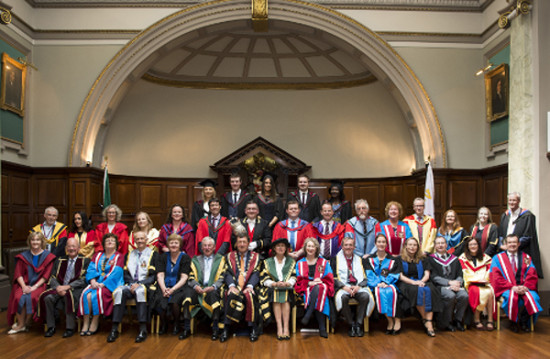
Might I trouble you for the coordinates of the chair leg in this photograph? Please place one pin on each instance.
(152, 324)
(293, 314)
(366, 325)
(192, 326)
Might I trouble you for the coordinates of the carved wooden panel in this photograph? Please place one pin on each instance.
(177, 194)
(78, 194)
(150, 196)
(463, 193)
(158, 219)
(19, 191)
(96, 197)
(51, 191)
(371, 195)
(411, 192)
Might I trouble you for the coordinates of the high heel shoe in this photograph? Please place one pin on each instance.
(389, 331)
(430, 333)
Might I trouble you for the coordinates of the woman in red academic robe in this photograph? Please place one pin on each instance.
(315, 282)
(176, 223)
(32, 271)
(112, 214)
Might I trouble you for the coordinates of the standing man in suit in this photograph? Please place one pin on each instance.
(310, 205)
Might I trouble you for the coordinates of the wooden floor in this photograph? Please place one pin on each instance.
(411, 343)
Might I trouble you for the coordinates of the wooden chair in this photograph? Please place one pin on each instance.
(353, 302)
(132, 303)
(499, 307)
(293, 318)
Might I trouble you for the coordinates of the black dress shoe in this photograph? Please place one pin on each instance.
(185, 334)
(224, 336)
(396, 332)
(113, 335)
(459, 326)
(451, 328)
(254, 335)
(50, 332)
(68, 333)
(215, 334)
(323, 333)
(176, 330)
(141, 336)
(351, 331)
(359, 332)
(514, 327)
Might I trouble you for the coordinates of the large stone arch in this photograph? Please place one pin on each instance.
(135, 58)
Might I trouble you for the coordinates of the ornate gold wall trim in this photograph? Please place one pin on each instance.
(259, 86)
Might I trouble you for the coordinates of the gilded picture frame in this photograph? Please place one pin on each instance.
(12, 94)
(497, 92)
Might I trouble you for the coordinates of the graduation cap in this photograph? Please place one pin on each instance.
(208, 183)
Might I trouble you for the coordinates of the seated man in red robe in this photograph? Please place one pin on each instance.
(514, 278)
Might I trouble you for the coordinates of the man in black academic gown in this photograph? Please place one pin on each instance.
(241, 278)
(234, 202)
(310, 205)
(522, 223)
(67, 281)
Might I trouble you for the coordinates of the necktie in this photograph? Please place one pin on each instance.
(303, 198)
(419, 225)
(351, 278)
(234, 198)
(69, 272)
(241, 273)
(206, 266)
(136, 275)
(364, 227)
(327, 228)
(326, 248)
(514, 264)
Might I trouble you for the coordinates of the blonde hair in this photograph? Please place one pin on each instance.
(394, 203)
(315, 243)
(40, 235)
(149, 223)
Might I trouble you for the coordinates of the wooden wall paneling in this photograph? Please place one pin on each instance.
(19, 192)
(393, 192)
(178, 194)
(410, 193)
(125, 195)
(19, 227)
(96, 198)
(79, 194)
(492, 192)
(5, 187)
(370, 193)
(463, 193)
(348, 195)
(51, 191)
(150, 196)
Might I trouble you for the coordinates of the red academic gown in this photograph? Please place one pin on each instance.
(185, 231)
(303, 231)
(503, 279)
(221, 234)
(24, 268)
(120, 230)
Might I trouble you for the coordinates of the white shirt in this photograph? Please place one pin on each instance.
(207, 269)
(329, 225)
(511, 223)
(280, 277)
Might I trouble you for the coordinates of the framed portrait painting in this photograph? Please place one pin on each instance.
(497, 92)
(12, 96)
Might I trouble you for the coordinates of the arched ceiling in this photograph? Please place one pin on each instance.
(232, 55)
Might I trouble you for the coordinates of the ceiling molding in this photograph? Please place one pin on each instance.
(408, 5)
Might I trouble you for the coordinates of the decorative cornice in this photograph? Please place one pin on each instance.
(259, 86)
(400, 5)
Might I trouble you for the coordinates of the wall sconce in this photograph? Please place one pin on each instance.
(485, 69)
(516, 8)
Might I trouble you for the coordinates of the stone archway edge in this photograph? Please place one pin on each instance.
(130, 63)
